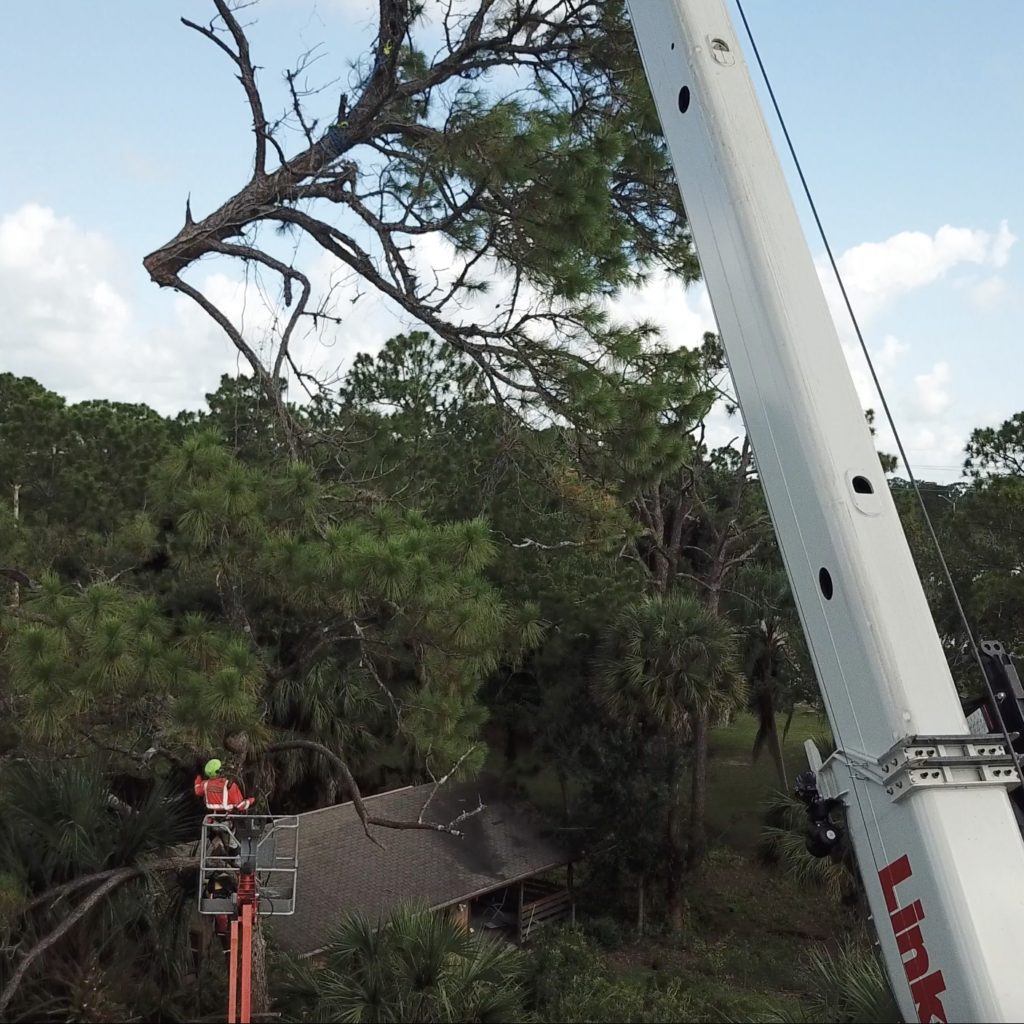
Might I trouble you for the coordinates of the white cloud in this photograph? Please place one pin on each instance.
(886, 360)
(1002, 245)
(877, 273)
(931, 393)
(80, 318)
(68, 320)
(988, 292)
(935, 450)
(683, 314)
(890, 353)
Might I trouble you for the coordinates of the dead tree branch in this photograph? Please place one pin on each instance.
(246, 72)
(356, 796)
(400, 162)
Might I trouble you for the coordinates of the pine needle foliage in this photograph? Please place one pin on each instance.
(278, 586)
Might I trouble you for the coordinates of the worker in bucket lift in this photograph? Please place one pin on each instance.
(224, 796)
(221, 794)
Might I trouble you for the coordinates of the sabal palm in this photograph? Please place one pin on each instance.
(761, 600)
(666, 661)
(412, 965)
(849, 987)
(671, 664)
(783, 842)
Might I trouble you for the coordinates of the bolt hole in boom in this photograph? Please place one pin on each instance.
(825, 582)
(720, 52)
(684, 99)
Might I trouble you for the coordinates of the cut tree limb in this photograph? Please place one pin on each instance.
(451, 828)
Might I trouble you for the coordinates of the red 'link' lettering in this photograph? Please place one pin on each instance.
(925, 988)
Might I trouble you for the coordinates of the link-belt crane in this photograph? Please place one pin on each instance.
(936, 840)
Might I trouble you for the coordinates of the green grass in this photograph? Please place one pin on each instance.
(738, 787)
(740, 955)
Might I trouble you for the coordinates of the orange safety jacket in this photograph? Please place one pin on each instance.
(222, 795)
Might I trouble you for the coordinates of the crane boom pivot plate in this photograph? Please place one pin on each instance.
(942, 859)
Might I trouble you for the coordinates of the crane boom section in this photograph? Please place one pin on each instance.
(942, 861)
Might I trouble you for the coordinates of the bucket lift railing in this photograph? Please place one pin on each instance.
(257, 856)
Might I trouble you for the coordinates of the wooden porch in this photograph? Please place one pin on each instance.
(518, 910)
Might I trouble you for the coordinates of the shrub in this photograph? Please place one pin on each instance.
(570, 981)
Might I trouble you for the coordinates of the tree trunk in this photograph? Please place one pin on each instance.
(789, 722)
(673, 877)
(775, 745)
(768, 729)
(260, 988)
(563, 785)
(674, 860)
(640, 908)
(698, 796)
(17, 518)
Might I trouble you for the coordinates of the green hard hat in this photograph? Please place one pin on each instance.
(212, 767)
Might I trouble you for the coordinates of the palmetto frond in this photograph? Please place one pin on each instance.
(410, 965)
(849, 987)
(668, 659)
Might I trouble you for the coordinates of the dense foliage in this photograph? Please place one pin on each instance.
(408, 966)
(231, 600)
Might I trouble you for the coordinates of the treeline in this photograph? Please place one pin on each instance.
(418, 579)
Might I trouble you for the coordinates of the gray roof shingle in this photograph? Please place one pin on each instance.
(340, 870)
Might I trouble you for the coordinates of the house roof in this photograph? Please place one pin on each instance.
(341, 871)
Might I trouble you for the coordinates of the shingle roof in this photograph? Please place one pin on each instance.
(340, 870)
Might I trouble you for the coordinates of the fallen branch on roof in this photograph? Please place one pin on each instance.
(438, 783)
(451, 828)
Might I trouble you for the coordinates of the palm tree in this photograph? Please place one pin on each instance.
(762, 601)
(849, 986)
(671, 663)
(100, 930)
(412, 965)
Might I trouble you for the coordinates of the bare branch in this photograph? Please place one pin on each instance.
(528, 542)
(247, 252)
(270, 385)
(246, 74)
(357, 798)
(142, 758)
(366, 661)
(438, 783)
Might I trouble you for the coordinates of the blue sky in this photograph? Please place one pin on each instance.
(908, 117)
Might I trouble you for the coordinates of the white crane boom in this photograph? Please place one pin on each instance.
(934, 834)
